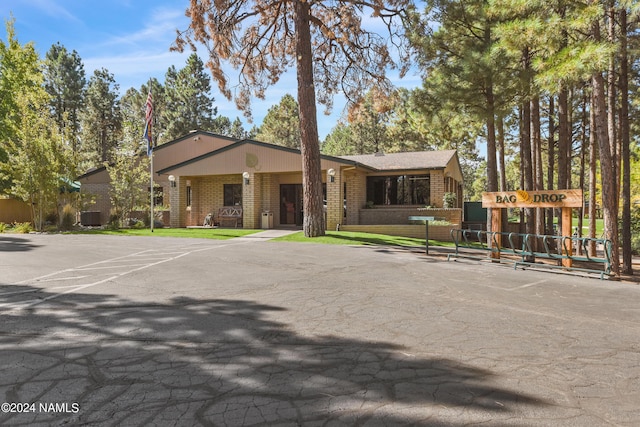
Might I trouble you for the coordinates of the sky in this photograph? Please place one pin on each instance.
(131, 39)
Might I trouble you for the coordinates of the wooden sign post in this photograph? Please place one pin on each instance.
(564, 199)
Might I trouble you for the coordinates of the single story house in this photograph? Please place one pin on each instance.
(202, 172)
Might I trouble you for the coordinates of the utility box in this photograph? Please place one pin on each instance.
(90, 218)
(267, 220)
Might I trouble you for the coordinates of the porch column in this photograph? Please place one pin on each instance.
(251, 200)
(177, 202)
(437, 188)
(356, 195)
(334, 199)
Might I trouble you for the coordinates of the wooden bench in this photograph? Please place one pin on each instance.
(230, 215)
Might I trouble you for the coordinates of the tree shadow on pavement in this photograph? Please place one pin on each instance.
(225, 362)
(15, 244)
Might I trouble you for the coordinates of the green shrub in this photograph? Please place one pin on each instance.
(449, 200)
(22, 227)
(138, 225)
(635, 244)
(67, 218)
(3, 227)
(51, 218)
(635, 229)
(114, 219)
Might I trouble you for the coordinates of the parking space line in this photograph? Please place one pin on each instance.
(106, 267)
(17, 305)
(528, 285)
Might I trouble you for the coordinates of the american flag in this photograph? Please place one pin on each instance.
(147, 123)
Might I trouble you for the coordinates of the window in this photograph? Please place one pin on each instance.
(399, 190)
(233, 194)
(188, 195)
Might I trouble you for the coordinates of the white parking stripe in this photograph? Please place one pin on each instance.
(18, 305)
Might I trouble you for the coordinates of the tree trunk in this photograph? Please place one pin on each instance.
(525, 146)
(536, 139)
(564, 144)
(627, 265)
(583, 150)
(593, 154)
(525, 163)
(500, 147)
(551, 160)
(609, 194)
(313, 222)
(611, 96)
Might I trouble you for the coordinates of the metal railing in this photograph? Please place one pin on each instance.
(531, 246)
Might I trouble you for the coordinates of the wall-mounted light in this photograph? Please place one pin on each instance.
(172, 180)
(246, 176)
(332, 175)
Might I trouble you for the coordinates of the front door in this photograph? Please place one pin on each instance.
(291, 204)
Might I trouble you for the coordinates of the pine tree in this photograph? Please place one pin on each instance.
(339, 141)
(101, 120)
(331, 48)
(65, 83)
(281, 124)
(189, 104)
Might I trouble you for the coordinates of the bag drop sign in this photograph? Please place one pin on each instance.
(532, 199)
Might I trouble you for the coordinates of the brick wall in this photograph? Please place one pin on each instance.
(251, 201)
(334, 201)
(207, 196)
(177, 203)
(437, 188)
(356, 194)
(400, 215)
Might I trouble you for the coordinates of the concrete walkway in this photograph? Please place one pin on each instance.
(266, 235)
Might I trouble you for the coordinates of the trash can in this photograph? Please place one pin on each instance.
(267, 219)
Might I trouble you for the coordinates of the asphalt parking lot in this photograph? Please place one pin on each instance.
(112, 330)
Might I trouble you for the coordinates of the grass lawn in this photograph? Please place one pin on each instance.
(202, 233)
(331, 238)
(356, 238)
(585, 225)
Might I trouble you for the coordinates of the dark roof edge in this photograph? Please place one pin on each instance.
(408, 169)
(92, 172)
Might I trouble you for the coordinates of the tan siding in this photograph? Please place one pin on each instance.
(171, 154)
(250, 158)
(100, 194)
(12, 210)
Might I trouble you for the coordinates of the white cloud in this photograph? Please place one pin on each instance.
(52, 8)
(159, 30)
(134, 68)
(136, 56)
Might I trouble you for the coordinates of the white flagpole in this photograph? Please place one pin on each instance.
(151, 175)
(150, 147)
